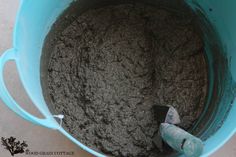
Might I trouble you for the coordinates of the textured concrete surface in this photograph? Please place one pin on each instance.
(38, 138)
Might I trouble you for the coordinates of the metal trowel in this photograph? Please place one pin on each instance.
(177, 138)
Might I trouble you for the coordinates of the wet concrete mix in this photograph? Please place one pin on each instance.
(112, 64)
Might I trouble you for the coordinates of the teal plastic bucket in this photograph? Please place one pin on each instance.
(217, 21)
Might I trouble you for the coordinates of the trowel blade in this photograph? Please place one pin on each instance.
(160, 112)
(166, 114)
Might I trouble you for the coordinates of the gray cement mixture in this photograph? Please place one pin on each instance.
(111, 65)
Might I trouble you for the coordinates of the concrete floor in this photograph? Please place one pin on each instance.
(38, 138)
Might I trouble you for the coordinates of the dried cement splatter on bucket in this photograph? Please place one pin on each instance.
(111, 65)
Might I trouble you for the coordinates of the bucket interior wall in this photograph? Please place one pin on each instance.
(216, 21)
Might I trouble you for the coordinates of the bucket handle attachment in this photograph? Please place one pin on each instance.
(11, 103)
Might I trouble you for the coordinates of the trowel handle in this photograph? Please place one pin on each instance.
(180, 140)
